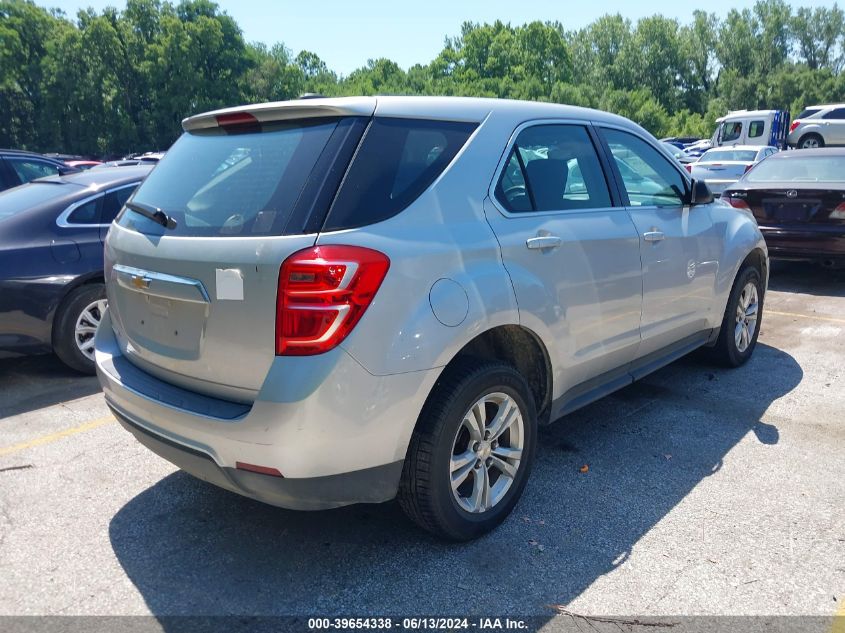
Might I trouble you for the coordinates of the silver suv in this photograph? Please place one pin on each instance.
(818, 126)
(331, 301)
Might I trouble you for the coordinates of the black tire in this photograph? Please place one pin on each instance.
(812, 136)
(726, 352)
(425, 491)
(64, 326)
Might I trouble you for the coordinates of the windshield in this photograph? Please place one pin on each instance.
(214, 183)
(801, 169)
(727, 155)
(24, 197)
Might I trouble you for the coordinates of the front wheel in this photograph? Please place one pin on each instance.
(472, 451)
(742, 319)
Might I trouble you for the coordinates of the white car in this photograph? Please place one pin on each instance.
(721, 167)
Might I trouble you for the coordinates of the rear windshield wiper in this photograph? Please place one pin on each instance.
(153, 213)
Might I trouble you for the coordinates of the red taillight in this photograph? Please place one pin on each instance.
(237, 120)
(794, 125)
(262, 470)
(748, 168)
(688, 167)
(838, 213)
(738, 203)
(323, 293)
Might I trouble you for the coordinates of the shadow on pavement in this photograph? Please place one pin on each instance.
(806, 278)
(28, 383)
(191, 549)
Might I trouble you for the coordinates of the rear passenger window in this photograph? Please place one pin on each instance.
(86, 213)
(837, 114)
(649, 178)
(397, 161)
(553, 168)
(756, 128)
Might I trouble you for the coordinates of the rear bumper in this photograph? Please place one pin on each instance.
(372, 485)
(816, 243)
(337, 433)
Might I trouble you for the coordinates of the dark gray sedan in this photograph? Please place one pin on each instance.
(51, 261)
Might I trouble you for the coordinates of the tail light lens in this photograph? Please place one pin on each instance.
(323, 293)
(794, 125)
(838, 213)
(748, 168)
(688, 167)
(737, 203)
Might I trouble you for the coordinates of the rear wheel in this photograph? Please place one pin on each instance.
(810, 141)
(742, 319)
(76, 324)
(472, 451)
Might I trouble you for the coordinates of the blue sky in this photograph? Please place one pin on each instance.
(346, 34)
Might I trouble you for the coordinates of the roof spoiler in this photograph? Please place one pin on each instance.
(309, 107)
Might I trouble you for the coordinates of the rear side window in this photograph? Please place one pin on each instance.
(808, 112)
(397, 161)
(217, 183)
(553, 168)
(837, 114)
(86, 213)
(756, 128)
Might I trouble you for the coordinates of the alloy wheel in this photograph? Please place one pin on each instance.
(487, 452)
(746, 317)
(86, 327)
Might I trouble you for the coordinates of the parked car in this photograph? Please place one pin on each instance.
(818, 126)
(680, 155)
(51, 261)
(18, 167)
(720, 167)
(798, 199)
(83, 164)
(386, 295)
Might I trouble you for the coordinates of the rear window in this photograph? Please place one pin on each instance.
(802, 169)
(742, 156)
(215, 183)
(397, 161)
(13, 201)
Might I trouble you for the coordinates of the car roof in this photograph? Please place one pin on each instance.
(474, 109)
(824, 152)
(102, 178)
(23, 152)
(749, 148)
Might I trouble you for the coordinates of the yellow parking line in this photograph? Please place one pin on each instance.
(839, 619)
(52, 437)
(804, 316)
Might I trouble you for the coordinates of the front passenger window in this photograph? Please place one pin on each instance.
(649, 178)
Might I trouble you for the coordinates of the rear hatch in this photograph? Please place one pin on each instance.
(195, 303)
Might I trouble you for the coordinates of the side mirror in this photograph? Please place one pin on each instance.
(701, 193)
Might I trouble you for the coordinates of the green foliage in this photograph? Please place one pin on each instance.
(119, 81)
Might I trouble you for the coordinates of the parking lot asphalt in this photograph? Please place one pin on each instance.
(708, 491)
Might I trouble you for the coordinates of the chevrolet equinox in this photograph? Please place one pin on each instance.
(322, 302)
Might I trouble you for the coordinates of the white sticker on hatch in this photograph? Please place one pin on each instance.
(230, 284)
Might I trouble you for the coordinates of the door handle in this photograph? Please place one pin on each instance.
(542, 242)
(654, 236)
